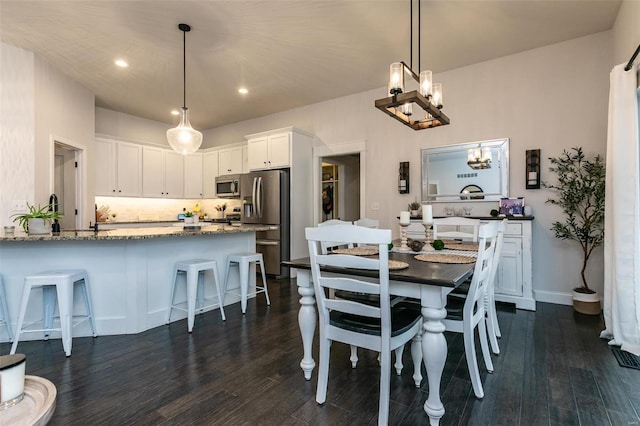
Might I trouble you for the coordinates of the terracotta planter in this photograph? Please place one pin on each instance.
(586, 303)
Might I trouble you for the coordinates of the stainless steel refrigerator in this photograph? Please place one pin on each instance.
(265, 200)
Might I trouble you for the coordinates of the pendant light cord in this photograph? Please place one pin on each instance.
(184, 69)
(411, 34)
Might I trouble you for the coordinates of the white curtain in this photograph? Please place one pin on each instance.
(622, 215)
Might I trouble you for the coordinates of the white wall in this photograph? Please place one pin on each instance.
(17, 117)
(626, 32)
(132, 128)
(64, 112)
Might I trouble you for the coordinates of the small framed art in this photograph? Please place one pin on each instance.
(511, 206)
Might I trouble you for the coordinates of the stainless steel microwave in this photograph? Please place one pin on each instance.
(228, 186)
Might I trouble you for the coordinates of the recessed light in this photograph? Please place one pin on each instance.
(121, 63)
(175, 112)
(243, 90)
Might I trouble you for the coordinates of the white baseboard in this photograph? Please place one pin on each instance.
(554, 297)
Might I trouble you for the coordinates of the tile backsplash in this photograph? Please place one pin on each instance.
(152, 209)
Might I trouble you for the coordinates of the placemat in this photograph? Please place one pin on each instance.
(461, 246)
(356, 251)
(394, 265)
(444, 258)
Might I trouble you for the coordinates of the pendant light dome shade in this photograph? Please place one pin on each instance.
(184, 139)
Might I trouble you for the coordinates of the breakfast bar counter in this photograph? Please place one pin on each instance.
(130, 270)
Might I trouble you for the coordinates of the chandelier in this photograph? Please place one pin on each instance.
(428, 96)
(479, 158)
(184, 139)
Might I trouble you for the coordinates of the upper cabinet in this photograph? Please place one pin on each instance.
(271, 151)
(193, 177)
(230, 161)
(118, 168)
(162, 173)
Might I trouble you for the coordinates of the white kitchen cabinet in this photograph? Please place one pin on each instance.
(230, 161)
(514, 275)
(271, 151)
(162, 173)
(193, 176)
(118, 168)
(245, 159)
(209, 173)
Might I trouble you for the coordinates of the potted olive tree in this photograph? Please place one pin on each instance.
(37, 220)
(580, 194)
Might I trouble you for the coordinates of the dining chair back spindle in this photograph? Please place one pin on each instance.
(352, 322)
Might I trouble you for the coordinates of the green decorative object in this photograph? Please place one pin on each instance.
(35, 213)
(494, 213)
(438, 244)
(580, 194)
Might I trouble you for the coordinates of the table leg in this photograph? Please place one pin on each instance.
(434, 349)
(306, 320)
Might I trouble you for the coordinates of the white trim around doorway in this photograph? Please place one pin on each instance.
(81, 173)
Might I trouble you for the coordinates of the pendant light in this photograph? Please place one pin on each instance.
(428, 97)
(184, 139)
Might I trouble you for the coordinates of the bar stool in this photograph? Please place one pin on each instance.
(195, 289)
(243, 260)
(4, 311)
(64, 282)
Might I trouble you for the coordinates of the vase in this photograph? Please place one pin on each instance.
(38, 226)
(586, 303)
(414, 213)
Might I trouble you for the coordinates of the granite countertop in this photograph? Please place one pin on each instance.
(138, 233)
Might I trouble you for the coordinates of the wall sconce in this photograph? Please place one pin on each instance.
(533, 169)
(403, 178)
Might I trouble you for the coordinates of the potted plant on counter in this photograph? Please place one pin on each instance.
(36, 221)
(580, 194)
(414, 208)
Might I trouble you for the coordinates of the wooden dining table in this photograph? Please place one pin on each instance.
(430, 282)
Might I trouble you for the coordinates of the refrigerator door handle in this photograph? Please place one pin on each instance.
(254, 194)
(260, 197)
(267, 243)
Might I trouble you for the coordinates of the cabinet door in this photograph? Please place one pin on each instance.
(258, 153)
(509, 275)
(129, 169)
(230, 161)
(279, 146)
(174, 175)
(105, 167)
(245, 159)
(153, 174)
(209, 174)
(193, 176)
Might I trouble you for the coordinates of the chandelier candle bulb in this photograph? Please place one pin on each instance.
(405, 218)
(425, 83)
(437, 95)
(11, 379)
(396, 78)
(427, 213)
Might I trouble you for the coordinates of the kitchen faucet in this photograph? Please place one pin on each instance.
(53, 206)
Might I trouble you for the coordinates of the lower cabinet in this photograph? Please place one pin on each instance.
(514, 276)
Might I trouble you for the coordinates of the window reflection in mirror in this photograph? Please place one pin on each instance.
(477, 171)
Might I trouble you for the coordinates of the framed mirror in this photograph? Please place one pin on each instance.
(476, 171)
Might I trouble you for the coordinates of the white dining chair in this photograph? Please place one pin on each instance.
(458, 228)
(355, 323)
(493, 328)
(326, 245)
(465, 315)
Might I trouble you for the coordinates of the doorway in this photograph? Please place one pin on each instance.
(66, 184)
(340, 187)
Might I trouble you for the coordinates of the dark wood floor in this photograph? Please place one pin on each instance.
(553, 370)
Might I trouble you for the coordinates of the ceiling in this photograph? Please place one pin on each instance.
(288, 53)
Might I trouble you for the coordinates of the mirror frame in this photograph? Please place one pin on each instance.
(500, 154)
